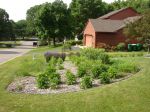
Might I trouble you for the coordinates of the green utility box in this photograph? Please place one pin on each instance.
(130, 47)
(135, 47)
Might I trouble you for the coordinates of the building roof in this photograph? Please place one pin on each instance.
(102, 25)
(113, 13)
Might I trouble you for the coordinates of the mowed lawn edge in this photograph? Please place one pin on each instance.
(130, 95)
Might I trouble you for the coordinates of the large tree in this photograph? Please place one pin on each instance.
(21, 28)
(140, 29)
(6, 32)
(31, 22)
(139, 5)
(52, 21)
(82, 10)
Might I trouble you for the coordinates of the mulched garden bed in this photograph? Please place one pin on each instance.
(28, 84)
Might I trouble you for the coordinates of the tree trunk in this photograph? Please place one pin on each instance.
(54, 42)
(49, 42)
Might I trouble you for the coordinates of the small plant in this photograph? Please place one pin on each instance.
(54, 77)
(112, 72)
(105, 78)
(97, 69)
(95, 54)
(81, 71)
(86, 82)
(59, 61)
(71, 79)
(105, 58)
(121, 46)
(43, 81)
(54, 82)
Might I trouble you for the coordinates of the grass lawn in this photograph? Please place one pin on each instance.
(131, 95)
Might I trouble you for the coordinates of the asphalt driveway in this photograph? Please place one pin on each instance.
(9, 54)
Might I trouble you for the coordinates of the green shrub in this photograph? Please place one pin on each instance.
(82, 71)
(112, 71)
(121, 46)
(71, 79)
(50, 69)
(86, 82)
(54, 82)
(105, 58)
(95, 54)
(59, 61)
(105, 78)
(53, 61)
(54, 77)
(43, 81)
(127, 67)
(67, 46)
(97, 69)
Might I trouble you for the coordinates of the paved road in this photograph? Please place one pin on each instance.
(9, 54)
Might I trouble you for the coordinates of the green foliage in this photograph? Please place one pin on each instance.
(137, 29)
(138, 5)
(98, 69)
(73, 42)
(59, 61)
(126, 66)
(43, 81)
(113, 72)
(121, 46)
(21, 28)
(71, 79)
(105, 78)
(82, 10)
(52, 21)
(95, 54)
(86, 82)
(82, 70)
(6, 26)
(67, 46)
(54, 81)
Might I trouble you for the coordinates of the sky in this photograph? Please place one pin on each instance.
(17, 8)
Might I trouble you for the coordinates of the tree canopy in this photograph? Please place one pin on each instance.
(82, 10)
(140, 28)
(6, 28)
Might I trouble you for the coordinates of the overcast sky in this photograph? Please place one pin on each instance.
(17, 8)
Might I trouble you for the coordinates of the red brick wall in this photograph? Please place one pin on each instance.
(124, 14)
(89, 32)
(112, 39)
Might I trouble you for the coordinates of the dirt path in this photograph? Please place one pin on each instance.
(9, 54)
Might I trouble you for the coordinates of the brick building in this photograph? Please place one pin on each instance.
(108, 29)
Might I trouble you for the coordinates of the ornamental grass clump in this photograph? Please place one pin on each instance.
(95, 54)
(105, 78)
(97, 69)
(86, 82)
